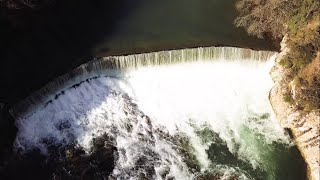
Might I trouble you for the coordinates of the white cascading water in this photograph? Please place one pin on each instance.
(165, 118)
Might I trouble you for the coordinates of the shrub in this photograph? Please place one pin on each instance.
(301, 55)
(306, 8)
(287, 97)
(286, 63)
(263, 17)
(309, 95)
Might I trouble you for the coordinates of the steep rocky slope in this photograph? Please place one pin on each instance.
(303, 123)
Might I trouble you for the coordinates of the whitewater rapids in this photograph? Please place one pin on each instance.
(187, 120)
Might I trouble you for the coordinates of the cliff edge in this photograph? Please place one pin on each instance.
(304, 124)
(295, 96)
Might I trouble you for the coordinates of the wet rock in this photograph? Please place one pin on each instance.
(65, 162)
(75, 163)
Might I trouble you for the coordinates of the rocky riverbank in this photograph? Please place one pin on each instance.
(304, 124)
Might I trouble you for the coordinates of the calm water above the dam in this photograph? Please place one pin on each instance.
(170, 24)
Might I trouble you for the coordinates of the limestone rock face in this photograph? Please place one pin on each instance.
(305, 126)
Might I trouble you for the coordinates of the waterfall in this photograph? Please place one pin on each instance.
(106, 66)
(198, 113)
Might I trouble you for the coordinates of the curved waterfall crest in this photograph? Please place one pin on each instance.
(105, 67)
(198, 113)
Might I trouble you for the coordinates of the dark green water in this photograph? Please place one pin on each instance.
(277, 161)
(170, 24)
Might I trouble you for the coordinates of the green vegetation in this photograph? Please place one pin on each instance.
(288, 98)
(300, 56)
(299, 20)
(304, 9)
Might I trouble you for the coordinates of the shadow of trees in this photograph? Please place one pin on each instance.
(40, 44)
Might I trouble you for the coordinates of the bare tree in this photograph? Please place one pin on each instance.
(265, 17)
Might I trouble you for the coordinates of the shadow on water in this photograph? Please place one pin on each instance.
(37, 46)
(170, 24)
(40, 45)
(65, 162)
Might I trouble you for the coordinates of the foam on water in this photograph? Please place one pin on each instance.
(155, 114)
